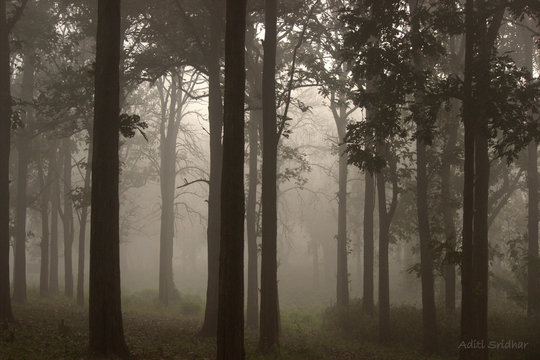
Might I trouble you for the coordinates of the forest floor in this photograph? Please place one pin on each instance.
(56, 329)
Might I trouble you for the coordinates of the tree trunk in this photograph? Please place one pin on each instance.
(384, 277)
(68, 221)
(105, 314)
(429, 320)
(23, 143)
(6, 314)
(55, 205)
(215, 119)
(342, 268)
(168, 186)
(269, 328)
(426, 256)
(230, 330)
(449, 210)
(533, 267)
(369, 208)
(252, 313)
(45, 182)
(82, 228)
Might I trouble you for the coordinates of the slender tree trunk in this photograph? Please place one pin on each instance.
(429, 319)
(269, 328)
(316, 276)
(342, 268)
(449, 211)
(23, 149)
(369, 208)
(55, 205)
(384, 277)
(230, 330)
(105, 313)
(44, 246)
(6, 314)
(68, 221)
(168, 186)
(252, 313)
(426, 256)
(468, 315)
(82, 228)
(215, 117)
(533, 264)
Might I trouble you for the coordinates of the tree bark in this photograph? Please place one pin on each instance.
(369, 208)
(6, 313)
(168, 186)
(82, 227)
(23, 144)
(68, 221)
(429, 320)
(269, 317)
(448, 214)
(340, 119)
(215, 119)
(105, 313)
(533, 264)
(44, 246)
(252, 313)
(230, 330)
(384, 277)
(55, 205)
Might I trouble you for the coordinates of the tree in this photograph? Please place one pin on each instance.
(106, 328)
(230, 329)
(6, 314)
(269, 320)
(67, 219)
(44, 182)
(55, 206)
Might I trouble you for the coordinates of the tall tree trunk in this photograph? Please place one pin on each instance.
(105, 313)
(468, 315)
(384, 277)
(533, 264)
(6, 314)
(82, 227)
(369, 208)
(252, 313)
(44, 246)
(230, 330)
(475, 230)
(449, 211)
(68, 221)
(429, 320)
(215, 119)
(426, 253)
(168, 186)
(340, 119)
(269, 319)
(55, 205)
(23, 150)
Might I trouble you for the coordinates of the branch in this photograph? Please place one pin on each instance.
(17, 16)
(187, 183)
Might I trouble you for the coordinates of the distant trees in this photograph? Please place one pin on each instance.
(230, 325)
(106, 328)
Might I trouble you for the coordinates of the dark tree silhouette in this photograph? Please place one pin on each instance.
(269, 317)
(106, 328)
(230, 329)
(6, 314)
(23, 143)
(68, 220)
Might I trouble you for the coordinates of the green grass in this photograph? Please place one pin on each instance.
(157, 332)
